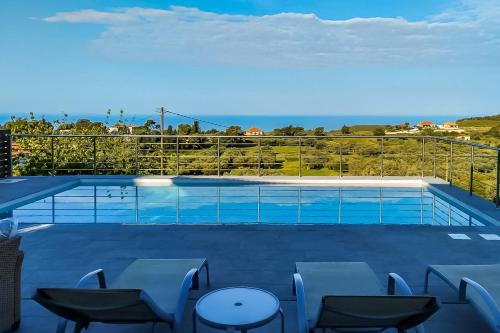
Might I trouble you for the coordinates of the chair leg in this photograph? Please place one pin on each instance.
(78, 328)
(194, 321)
(16, 325)
(61, 325)
(208, 274)
(282, 321)
(426, 282)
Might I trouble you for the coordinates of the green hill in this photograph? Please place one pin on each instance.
(487, 121)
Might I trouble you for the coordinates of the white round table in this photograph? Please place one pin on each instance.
(237, 308)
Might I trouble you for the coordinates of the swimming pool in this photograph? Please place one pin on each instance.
(243, 204)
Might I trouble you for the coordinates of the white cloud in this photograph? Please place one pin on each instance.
(466, 34)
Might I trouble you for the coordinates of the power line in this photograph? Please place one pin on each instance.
(196, 119)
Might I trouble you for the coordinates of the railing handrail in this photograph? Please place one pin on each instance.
(475, 144)
(249, 137)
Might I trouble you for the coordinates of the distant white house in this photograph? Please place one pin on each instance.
(130, 128)
(405, 131)
(114, 130)
(450, 126)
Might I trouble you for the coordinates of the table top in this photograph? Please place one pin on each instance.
(238, 307)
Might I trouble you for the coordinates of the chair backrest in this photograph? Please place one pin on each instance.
(401, 312)
(97, 305)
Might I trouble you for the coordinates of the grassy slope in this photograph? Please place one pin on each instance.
(478, 123)
(488, 121)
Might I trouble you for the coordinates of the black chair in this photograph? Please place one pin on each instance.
(375, 312)
(348, 296)
(148, 290)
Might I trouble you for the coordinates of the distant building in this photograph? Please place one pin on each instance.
(65, 131)
(16, 151)
(404, 131)
(113, 130)
(450, 125)
(130, 128)
(254, 131)
(426, 124)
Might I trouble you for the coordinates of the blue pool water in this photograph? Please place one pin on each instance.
(271, 204)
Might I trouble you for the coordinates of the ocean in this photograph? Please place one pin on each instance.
(265, 123)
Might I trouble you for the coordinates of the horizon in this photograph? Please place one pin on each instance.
(252, 57)
(264, 122)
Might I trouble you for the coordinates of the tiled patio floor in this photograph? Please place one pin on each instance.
(260, 256)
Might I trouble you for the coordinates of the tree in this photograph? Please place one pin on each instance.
(289, 130)
(196, 129)
(29, 126)
(428, 132)
(234, 131)
(319, 131)
(121, 120)
(316, 161)
(379, 131)
(170, 130)
(150, 124)
(82, 123)
(345, 130)
(184, 129)
(108, 115)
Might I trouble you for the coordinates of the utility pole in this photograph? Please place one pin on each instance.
(162, 129)
(162, 119)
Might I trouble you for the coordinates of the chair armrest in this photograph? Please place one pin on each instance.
(483, 293)
(100, 276)
(396, 282)
(298, 287)
(62, 323)
(186, 285)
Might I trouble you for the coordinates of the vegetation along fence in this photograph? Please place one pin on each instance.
(471, 166)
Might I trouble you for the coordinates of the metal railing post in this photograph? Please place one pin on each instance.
(423, 158)
(260, 158)
(94, 148)
(471, 175)
(340, 162)
(218, 156)
(434, 159)
(52, 159)
(382, 157)
(177, 156)
(136, 155)
(450, 165)
(161, 154)
(497, 199)
(381, 207)
(300, 157)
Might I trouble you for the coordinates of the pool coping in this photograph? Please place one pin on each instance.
(477, 206)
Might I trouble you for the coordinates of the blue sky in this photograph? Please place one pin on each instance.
(263, 57)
